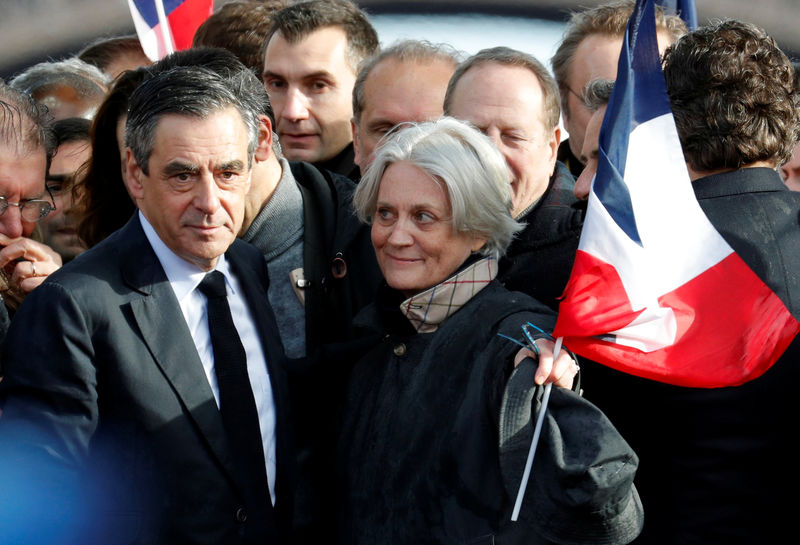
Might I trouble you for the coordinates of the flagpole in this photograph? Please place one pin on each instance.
(163, 24)
(537, 431)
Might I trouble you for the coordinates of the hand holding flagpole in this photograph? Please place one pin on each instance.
(537, 431)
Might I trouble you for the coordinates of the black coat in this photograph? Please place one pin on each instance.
(539, 260)
(716, 464)
(107, 400)
(418, 452)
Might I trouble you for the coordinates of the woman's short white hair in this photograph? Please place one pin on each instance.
(465, 161)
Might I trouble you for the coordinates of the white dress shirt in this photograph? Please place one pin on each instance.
(184, 277)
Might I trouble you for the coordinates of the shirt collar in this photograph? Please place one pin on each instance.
(429, 309)
(182, 275)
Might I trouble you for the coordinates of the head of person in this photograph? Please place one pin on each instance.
(596, 95)
(267, 170)
(732, 95)
(59, 228)
(69, 88)
(589, 50)
(105, 203)
(512, 98)
(790, 170)
(241, 28)
(191, 142)
(311, 57)
(26, 147)
(404, 82)
(435, 193)
(115, 55)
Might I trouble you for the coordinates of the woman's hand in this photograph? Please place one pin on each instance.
(560, 372)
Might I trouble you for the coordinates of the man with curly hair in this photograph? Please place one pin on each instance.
(711, 468)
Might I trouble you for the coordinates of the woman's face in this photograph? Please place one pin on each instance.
(412, 231)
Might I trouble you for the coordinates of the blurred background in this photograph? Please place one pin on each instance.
(35, 30)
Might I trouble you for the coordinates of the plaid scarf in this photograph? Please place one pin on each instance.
(427, 310)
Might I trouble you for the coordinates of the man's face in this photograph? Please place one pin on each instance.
(198, 177)
(589, 155)
(596, 57)
(506, 103)
(310, 85)
(59, 228)
(395, 92)
(21, 179)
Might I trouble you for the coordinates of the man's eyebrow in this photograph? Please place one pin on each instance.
(179, 167)
(58, 177)
(270, 74)
(235, 165)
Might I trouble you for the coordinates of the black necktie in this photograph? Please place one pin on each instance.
(236, 401)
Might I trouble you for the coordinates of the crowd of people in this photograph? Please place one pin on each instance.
(292, 285)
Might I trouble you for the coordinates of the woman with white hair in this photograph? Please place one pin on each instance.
(418, 459)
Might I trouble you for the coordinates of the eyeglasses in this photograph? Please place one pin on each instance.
(31, 210)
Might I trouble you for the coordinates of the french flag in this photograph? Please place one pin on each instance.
(164, 26)
(655, 290)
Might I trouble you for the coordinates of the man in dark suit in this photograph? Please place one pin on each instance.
(144, 400)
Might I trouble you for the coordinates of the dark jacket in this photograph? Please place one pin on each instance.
(540, 258)
(716, 464)
(339, 262)
(418, 452)
(338, 258)
(107, 411)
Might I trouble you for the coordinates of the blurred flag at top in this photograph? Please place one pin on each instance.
(685, 8)
(164, 26)
(655, 290)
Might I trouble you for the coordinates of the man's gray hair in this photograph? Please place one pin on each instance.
(190, 91)
(597, 93)
(25, 126)
(467, 165)
(86, 79)
(416, 51)
(511, 57)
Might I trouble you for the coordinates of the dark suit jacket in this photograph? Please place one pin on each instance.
(106, 398)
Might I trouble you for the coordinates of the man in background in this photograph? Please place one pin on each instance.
(405, 82)
(26, 147)
(311, 59)
(511, 97)
(59, 228)
(590, 50)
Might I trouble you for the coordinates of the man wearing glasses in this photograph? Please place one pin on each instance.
(26, 146)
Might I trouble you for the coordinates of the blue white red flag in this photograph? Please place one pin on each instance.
(685, 8)
(655, 290)
(164, 26)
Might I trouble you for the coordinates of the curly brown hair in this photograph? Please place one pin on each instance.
(732, 95)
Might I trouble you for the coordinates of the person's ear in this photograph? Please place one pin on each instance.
(264, 147)
(133, 176)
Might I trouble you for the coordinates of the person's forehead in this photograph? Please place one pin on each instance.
(498, 94)
(22, 173)
(324, 49)
(595, 57)
(395, 86)
(177, 134)
(69, 156)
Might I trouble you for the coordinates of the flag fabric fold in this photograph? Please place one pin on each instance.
(684, 8)
(655, 290)
(164, 26)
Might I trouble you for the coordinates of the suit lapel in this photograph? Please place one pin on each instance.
(164, 330)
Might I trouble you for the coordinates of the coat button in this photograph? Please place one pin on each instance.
(241, 515)
(399, 349)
